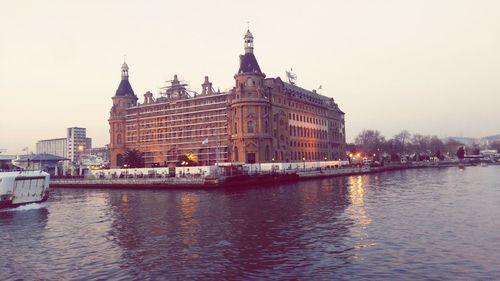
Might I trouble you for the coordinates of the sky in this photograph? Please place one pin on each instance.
(429, 67)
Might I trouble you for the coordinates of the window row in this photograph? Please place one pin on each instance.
(297, 131)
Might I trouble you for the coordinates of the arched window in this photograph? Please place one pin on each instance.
(250, 82)
(119, 139)
(250, 128)
(236, 158)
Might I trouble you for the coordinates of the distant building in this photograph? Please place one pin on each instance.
(57, 147)
(260, 120)
(6, 162)
(77, 142)
(49, 163)
(96, 156)
(71, 147)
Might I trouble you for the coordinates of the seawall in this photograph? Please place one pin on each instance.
(225, 181)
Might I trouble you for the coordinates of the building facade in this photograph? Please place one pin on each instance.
(260, 120)
(174, 124)
(77, 142)
(72, 147)
(276, 121)
(57, 147)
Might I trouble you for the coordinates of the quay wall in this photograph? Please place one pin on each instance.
(160, 179)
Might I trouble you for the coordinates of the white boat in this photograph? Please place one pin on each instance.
(23, 187)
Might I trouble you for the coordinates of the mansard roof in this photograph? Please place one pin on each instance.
(248, 64)
(124, 89)
(310, 96)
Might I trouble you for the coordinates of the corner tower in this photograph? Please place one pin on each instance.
(122, 100)
(250, 106)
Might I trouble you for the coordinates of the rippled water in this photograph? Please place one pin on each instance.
(428, 224)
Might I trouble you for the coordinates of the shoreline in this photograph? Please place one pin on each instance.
(231, 181)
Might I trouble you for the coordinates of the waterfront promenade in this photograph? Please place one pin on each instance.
(161, 181)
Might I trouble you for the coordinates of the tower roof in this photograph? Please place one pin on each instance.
(249, 64)
(248, 34)
(124, 89)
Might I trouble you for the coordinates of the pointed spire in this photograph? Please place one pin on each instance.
(248, 62)
(124, 89)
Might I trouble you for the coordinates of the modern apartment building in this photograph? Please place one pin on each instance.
(75, 144)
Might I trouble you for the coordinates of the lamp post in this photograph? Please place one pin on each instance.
(304, 162)
(272, 167)
(126, 171)
(184, 164)
(80, 148)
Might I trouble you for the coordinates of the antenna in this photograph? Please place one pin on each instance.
(292, 77)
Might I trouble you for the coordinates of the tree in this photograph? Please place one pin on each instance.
(439, 156)
(370, 141)
(452, 145)
(436, 145)
(421, 143)
(496, 146)
(401, 139)
(461, 153)
(133, 159)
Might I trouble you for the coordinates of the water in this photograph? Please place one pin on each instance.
(428, 224)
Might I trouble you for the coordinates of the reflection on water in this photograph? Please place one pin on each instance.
(417, 224)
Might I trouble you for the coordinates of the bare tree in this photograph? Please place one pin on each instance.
(401, 140)
(370, 141)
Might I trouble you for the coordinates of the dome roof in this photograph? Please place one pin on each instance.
(248, 34)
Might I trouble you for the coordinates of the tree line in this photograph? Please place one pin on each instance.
(372, 142)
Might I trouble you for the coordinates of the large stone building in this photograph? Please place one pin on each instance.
(260, 120)
(176, 123)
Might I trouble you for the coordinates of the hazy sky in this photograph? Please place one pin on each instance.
(431, 67)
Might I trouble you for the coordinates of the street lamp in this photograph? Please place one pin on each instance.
(272, 167)
(126, 171)
(184, 164)
(304, 162)
(80, 149)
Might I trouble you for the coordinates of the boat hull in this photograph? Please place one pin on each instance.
(9, 204)
(23, 187)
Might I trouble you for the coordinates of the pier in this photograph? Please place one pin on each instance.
(161, 180)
